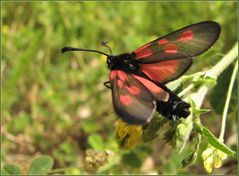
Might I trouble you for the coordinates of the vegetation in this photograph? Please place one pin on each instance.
(57, 116)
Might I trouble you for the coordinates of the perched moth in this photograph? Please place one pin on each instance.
(138, 79)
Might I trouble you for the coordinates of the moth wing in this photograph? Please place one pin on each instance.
(187, 42)
(134, 97)
(166, 71)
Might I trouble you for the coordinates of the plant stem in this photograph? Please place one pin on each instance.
(229, 93)
(214, 72)
(217, 69)
(225, 62)
(186, 90)
(198, 96)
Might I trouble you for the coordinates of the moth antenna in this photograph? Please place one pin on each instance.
(65, 49)
(105, 43)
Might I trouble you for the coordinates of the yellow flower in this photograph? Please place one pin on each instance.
(129, 135)
(213, 158)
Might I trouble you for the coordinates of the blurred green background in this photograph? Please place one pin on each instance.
(57, 105)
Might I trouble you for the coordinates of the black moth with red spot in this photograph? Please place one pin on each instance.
(138, 79)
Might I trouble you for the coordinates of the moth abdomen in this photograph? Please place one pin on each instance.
(174, 108)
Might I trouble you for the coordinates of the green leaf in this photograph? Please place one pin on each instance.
(217, 97)
(170, 136)
(216, 143)
(204, 80)
(109, 165)
(189, 159)
(175, 85)
(89, 126)
(41, 165)
(96, 142)
(183, 132)
(150, 130)
(11, 169)
(17, 125)
(131, 159)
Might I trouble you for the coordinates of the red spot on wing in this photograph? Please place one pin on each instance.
(144, 53)
(125, 99)
(133, 90)
(143, 47)
(186, 36)
(163, 41)
(120, 83)
(149, 84)
(112, 74)
(170, 48)
(122, 75)
(161, 71)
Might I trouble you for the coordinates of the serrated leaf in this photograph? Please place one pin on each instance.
(96, 142)
(150, 130)
(41, 165)
(204, 80)
(170, 135)
(217, 97)
(216, 143)
(11, 169)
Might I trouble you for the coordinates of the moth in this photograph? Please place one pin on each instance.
(138, 79)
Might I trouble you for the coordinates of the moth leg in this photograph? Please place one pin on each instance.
(107, 84)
